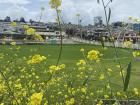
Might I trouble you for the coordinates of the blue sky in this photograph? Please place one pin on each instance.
(88, 9)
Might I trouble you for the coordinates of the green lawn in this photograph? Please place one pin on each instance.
(14, 60)
(71, 54)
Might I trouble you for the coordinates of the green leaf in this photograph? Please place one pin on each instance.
(127, 78)
(98, 1)
(109, 15)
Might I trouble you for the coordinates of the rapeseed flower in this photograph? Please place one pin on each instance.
(38, 37)
(136, 92)
(93, 55)
(25, 27)
(81, 63)
(135, 54)
(1, 55)
(30, 31)
(36, 59)
(13, 43)
(118, 66)
(78, 14)
(2, 88)
(13, 24)
(36, 99)
(62, 66)
(128, 44)
(118, 94)
(55, 4)
(18, 86)
(70, 102)
(122, 73)
(109, 70)
(84, 90)
(102, 77)
(100, 102)
(106, 96)
(82, 50)
(54, 69)
(130, 18)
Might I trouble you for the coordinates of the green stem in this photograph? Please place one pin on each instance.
(9, 88)
(61, 43)
(116, 52)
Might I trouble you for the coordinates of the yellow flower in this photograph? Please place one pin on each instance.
(118, 94)
(55, 4)
(36, 59)
(82, 50)
(84, 90)
(31, 31)
(135, 54)
(13, 24)
(18, 86)
(36, 99)
(13, 43)
(71, 91)
(100, 102)
(108, 86)
(93, 55)
(62, 66)
(115, 103)
(81, 68)
(53, 81)
(130, 18)
(1, 55)
(106, 96)
(54, 69)
(81, 63)
(122, 73)
(136, 92)
(2, 88)
(118, 66)
(78, 14)
(109, 70)
(128, 44)
(102, 77)
(39, 37)
(3, 42)
(46, 103)
(70, 102)
(25, 27)
(135, 20)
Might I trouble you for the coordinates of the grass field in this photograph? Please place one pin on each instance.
(13, 62)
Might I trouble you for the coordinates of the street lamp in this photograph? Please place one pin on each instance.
(78, 17)
(42, 10)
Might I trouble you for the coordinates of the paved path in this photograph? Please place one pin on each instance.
(74, 41)
(117, 44)
(50, 41)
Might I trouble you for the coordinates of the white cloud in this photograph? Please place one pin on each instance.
(15, 2)
(88, 9)
(15, 12)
